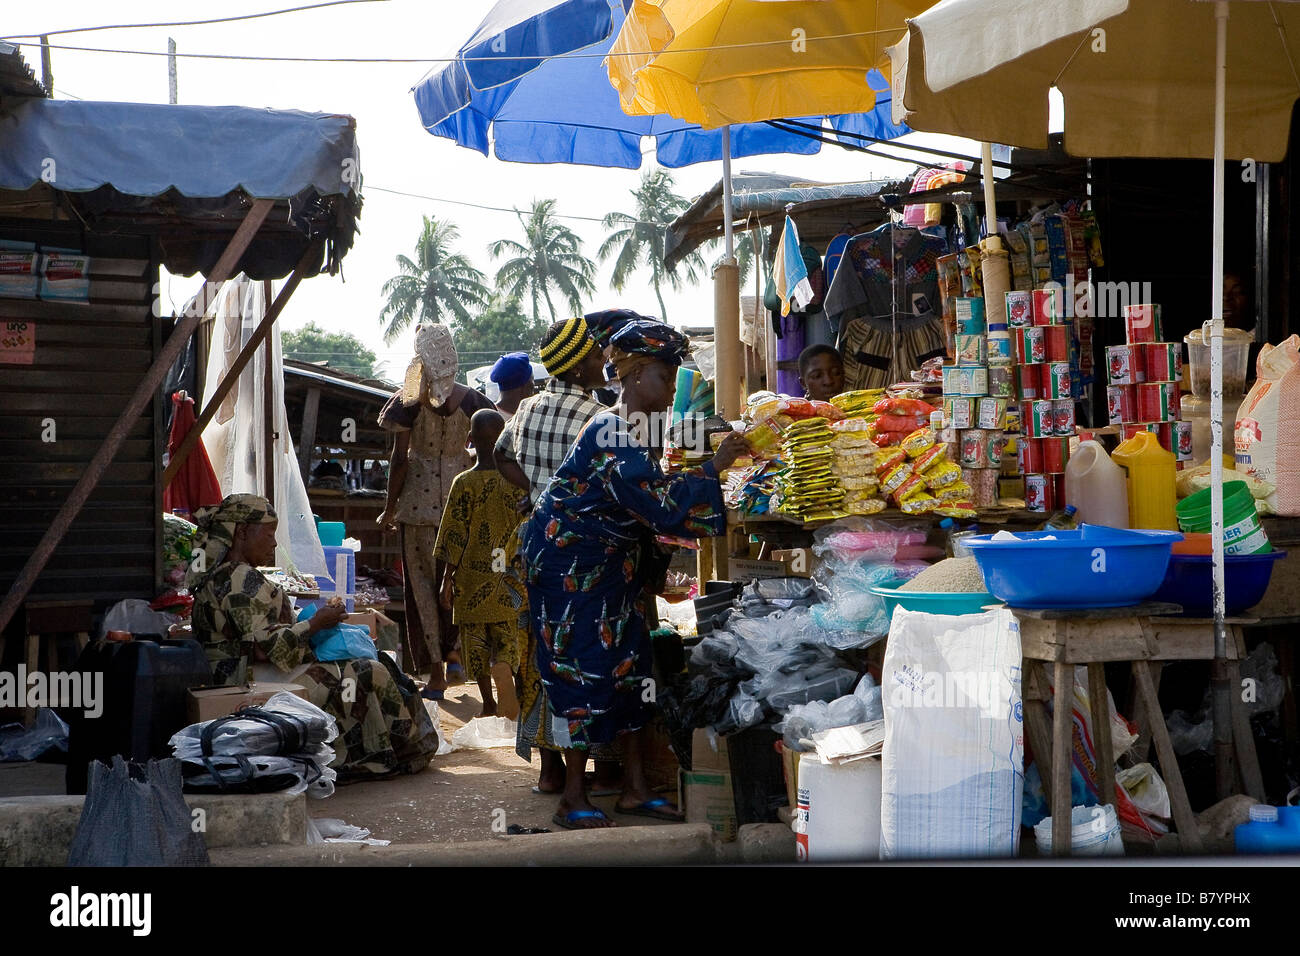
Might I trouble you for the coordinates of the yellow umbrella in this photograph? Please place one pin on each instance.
(718, 62)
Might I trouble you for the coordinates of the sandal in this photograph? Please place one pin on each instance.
(654, 809)
(569, 821)
(428, 693)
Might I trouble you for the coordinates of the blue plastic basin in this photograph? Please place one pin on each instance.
(1092, 566)
(1245, 579)
(934, 602)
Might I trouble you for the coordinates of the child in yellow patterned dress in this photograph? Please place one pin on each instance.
(478, 524)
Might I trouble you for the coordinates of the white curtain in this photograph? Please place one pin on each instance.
(236, 436)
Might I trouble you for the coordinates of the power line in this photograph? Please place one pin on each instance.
(186, 23)
(576, 55)
(474, 205)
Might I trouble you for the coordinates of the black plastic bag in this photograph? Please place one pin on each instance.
(135, 815)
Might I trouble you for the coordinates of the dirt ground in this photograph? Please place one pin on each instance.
(456, 799)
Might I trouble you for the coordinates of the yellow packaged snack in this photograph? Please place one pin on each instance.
(895, 478)
(917, 442)
(942, 475)
(919, 504)
(865, 506)
(958, 491)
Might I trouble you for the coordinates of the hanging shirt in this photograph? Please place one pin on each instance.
(867, 288)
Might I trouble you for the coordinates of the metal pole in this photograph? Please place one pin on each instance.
(171, 72)
(1221, 690)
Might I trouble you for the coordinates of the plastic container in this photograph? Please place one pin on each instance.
(331, 533)
(1236, 356)
(1150, 475)
(1194, 543)
(144, 701)
(1242, 532)
(1097, 487)
(934, 602)
(1196, 411)
(838, 813)
(1269, 831)
(342, 564)
(1245, 579)
(1090, 567)
(1094, 831)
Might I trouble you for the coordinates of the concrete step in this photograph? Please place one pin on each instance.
(38, 831)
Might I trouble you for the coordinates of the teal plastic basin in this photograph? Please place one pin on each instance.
(935, 602)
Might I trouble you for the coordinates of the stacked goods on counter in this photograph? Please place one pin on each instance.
(1143, 375)
(854, 466)
(1040, 340)
(808, 489)
(974, 419)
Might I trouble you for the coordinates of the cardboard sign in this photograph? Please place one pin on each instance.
(17, 343)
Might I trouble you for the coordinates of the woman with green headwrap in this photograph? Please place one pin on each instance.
(240, 617)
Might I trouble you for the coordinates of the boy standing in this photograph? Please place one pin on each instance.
(477, 527)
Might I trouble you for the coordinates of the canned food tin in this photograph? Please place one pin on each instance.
(992, 414)
(1020, 309)
(1030, 346)
(1063, 417)
(1056, 452)
(974, 447)
(1056, 343)
(970, 315)
(1013, 418)
(959, 412)
(1142, 323)
(994, 450)
(1123, 366)
(998, 348)
(1121, 400)
(1058, 377)
(1157, 401)
(1183, 441)
(984, 486)
(975, 381)
(1031, 455)
(1027, 381)
(971, 349)
(1161, 361)
(1002, 381)
(1037, 418)
(1038, 489)
(1048, 306)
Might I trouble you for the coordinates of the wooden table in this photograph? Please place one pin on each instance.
(1143, 636)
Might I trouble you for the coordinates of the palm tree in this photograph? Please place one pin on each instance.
(641, 239)
(436, 282)
(549, 258)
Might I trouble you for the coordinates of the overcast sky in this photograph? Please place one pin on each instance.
(396, 152)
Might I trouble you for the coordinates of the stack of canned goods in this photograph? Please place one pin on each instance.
(1143, 377)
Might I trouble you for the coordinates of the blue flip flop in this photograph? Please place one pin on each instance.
(569, 820)
(428, 694)
(651, 809)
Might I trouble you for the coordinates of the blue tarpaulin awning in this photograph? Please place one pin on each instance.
(197, 167)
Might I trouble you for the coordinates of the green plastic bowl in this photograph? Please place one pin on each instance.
(935, 602)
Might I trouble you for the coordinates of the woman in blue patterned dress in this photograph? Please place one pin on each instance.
(588, 553)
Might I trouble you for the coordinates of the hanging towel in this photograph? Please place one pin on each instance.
(792, 283)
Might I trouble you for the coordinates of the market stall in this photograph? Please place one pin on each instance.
(135, 188)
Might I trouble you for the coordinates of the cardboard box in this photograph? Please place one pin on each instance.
(705, 757)
(384, 631)
(743, 569)
(205, 703)
(706, 797)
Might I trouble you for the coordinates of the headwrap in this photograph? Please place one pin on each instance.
(605, 323)
(641, 341)
(512, 370)
(567, 348)
(434, 366)
(216, 531)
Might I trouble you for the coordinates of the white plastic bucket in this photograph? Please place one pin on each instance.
(1094, 831)
(838, 816)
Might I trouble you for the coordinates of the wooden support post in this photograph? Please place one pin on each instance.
(1104, 746)
(1142, 748)
(307, 435)
(144, 394)
(268, 408)
(1188, 834)
(1062, 756)
(241, 362)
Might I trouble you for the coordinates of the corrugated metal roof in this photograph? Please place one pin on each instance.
(16, 77)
